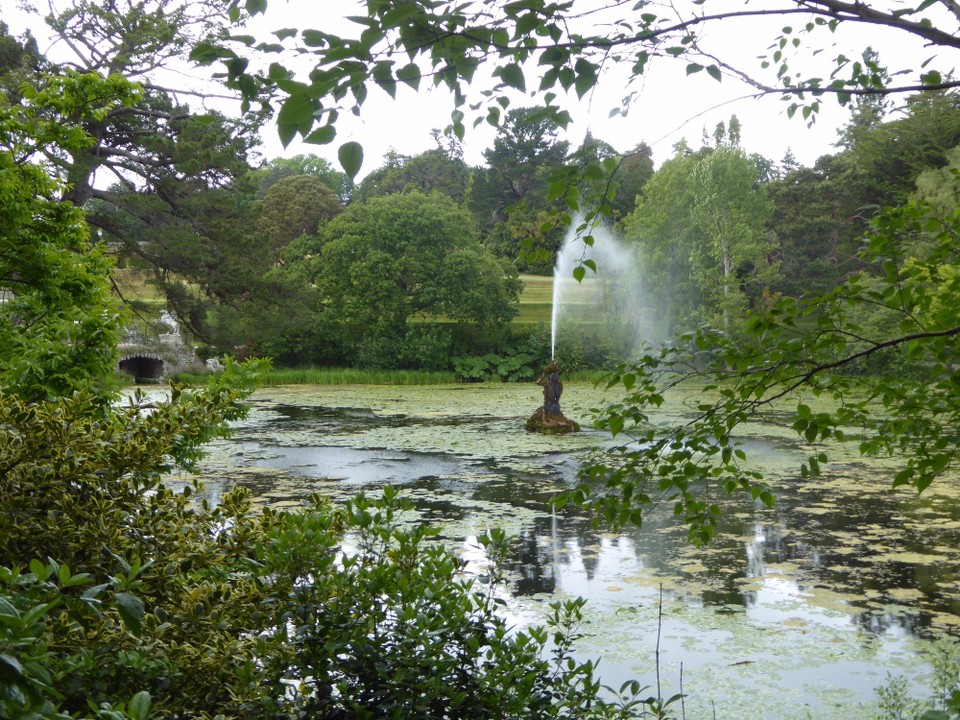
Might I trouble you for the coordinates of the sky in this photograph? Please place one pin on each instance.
(670, 106)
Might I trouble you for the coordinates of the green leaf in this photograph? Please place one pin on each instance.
(9, 665)
(322, 136)
(139, 706)
(131, 611)
(694, 68)
(296, 115)
(350, 155)
(512, 75)
(586, 76)
(409, 74)
(204, 53)
(579, 273)
(383, 76)
(616, 424)
(714, 72)
(314, 38)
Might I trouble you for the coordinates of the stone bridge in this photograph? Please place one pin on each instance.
(152, 357)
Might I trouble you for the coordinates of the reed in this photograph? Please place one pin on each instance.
(356, 376)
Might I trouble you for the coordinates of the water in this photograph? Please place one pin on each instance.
(613, 296)
(796, 611)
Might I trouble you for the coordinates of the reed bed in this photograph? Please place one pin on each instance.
(356, 376)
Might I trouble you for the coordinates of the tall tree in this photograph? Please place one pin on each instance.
(633, 171)
(660, 227)
(437, 170)
(510, 195)
(383, 264)
(731, 209)
(524, 151)
(147, 160)
(311, 165)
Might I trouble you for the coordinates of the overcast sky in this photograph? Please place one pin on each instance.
(670, 105)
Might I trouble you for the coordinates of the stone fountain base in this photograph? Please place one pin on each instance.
(541, 422)
(548, 418)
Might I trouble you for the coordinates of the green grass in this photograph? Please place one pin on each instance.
(536, 300)
(137, 286)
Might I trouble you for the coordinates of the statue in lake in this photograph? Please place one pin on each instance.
(549, 418)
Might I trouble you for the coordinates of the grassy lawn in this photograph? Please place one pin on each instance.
(137, 286)
(536, 300)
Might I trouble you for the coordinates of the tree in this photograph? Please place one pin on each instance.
(818, 218)
(660, 228)
(157, 152)
(509, 198)
(312, 165)
(121, 597)
(633, 172)
(556, 48)
(293, 206)
(18, 58)
(433, 170)
(525, 150)
(731, 209)
(395, 259)
(58, 324)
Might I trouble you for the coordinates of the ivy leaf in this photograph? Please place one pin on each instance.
(350, 155)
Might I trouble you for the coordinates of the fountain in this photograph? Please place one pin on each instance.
(614, 301)
(548, 418)
(612, 297)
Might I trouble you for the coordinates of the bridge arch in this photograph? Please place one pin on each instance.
(143, 368)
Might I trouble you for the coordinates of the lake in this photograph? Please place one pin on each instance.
(795, 611)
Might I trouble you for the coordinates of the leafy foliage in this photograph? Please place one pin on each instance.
(544, 49)
(58, 323)
(393, 629)
(374, 273)
(781, 364)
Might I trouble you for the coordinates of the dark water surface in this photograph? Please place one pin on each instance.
(796, 611)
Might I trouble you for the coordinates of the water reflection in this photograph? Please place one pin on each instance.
(842, 570)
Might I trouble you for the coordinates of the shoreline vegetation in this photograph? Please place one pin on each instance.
(371, 376)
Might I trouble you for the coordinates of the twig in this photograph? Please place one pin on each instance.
(683, 705)
(659, 626)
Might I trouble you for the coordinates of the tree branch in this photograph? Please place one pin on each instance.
(823, 367)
